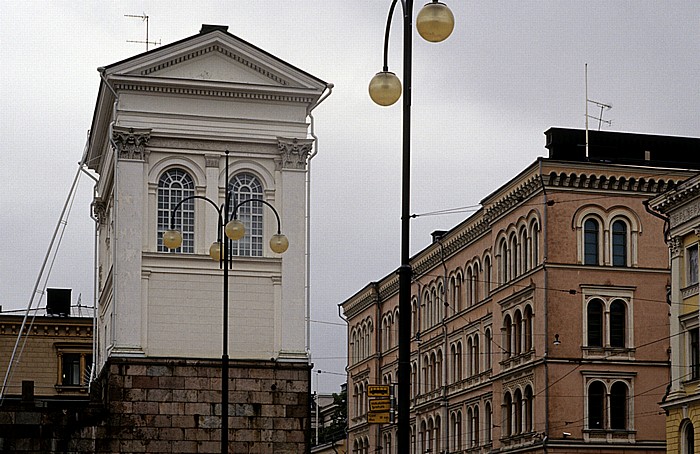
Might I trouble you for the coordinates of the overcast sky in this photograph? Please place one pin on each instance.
(481, 103)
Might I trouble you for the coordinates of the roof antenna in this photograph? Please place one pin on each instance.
(598, 104)
(143, 17)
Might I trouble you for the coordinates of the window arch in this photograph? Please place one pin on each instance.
(173, 186)
(488, 272)
(607, 236)
(245, 186)
(503, 262)
(535, 243)
(487, 349)
(528, 329)
(524, 250)
(507, 336)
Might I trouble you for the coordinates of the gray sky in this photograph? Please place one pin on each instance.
(481, 102)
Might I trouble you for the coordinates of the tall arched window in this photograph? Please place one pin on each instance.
(518, 333)
(507, 336)
(524, 250)
(517, 410)
(173, 186)
(687, 438)
(619, 243)
(591, 235)
(245, 186)
(470, 427)
(487, 276)
(488, 426)
(457, 430)
(617, 324)
(503, 268)
(487, 349)
(508, 414)
(596, 405)
(476, 355)
(529, 401)
(618, 406)
(535, 246)
(528, 328)
(594, 321)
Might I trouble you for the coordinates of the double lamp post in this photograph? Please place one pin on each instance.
(229, 228)
(435, 23)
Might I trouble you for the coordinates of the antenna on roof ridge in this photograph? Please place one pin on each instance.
(602, 106)
(143, 17)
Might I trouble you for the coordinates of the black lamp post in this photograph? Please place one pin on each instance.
(220, 251)
(435, 23)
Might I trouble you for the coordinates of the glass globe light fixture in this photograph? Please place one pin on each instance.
(215, 251)
(172, 239)
(435, 22)
(385, 88)
(279, 243)
(235, 229)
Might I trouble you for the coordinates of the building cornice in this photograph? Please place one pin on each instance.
(67, 327)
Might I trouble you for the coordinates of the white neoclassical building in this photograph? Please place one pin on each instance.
(163, 123)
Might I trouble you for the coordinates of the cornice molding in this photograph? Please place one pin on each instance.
(218, 92)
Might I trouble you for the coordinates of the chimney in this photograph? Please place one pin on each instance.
(207, 28)
(58, 302)
(437, 235)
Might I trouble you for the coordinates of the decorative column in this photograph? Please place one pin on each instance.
(676, 248)
(292, 209)
(129, 198)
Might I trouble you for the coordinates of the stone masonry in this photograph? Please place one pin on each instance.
(174, 406)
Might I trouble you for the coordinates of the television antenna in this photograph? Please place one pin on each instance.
(599, 104)
(144, 18)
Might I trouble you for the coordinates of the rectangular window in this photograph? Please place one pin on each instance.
(70, 375)
(691, 268)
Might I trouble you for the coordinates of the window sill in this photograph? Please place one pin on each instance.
(608, 352)
(609, 435)
(73, 389)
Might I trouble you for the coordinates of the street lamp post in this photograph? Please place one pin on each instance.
(227, 230)
(435, 23)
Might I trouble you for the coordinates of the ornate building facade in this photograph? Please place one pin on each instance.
(165, 123)
(539, 324)
(681, 208)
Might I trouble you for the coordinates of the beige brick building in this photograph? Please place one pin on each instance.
(539, 324)
(53, 352)
(681, 207)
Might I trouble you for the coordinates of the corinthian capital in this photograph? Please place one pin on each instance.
(294, 152)
(131, 142)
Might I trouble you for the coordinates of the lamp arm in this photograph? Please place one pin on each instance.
(201, 197)
(386, 32)
(238, 205)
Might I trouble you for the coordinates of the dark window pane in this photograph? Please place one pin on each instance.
(694, 354)
(617, 324)
(70, 375)
(590, 230)
(618, 406)
(595, 323)
(619, 242)
(596, 400)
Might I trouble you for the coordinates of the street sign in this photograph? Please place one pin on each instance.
(379, 405)
(378, 418)
(378, 390)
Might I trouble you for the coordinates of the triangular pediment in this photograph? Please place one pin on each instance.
(216, 56)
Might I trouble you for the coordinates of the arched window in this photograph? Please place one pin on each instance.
(518, 333)
(618, 406)
(529, 401)
(524, 250)
(245, 186)
(535, 246)
(470, 427)
(438, 369)
(487, 276)
(173, 186)
(414, 379)
(474, 286)
(687, 438)
(507, 336)
(457, 294)
(617, 324)
(591, 236)
(487, 349)
(488, 426)
(508, 414)
(503, 268)
(470, 353)
(619, 243)
(518, 411)
(594, 321)
(414, 316)
(476, 354)
(475, 426)
(513, 257)
(457, 430)
(528, 328)
(596, 405)
(457, 361)
(469, 281)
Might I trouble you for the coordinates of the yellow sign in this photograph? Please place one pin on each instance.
(378, 390)
(379, 405)
(378, 417)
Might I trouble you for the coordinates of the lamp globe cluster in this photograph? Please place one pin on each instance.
(435, 23)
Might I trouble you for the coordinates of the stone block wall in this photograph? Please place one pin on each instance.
(166, 406)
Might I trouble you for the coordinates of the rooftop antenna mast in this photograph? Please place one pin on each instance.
(602, 106)
(144, 18)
